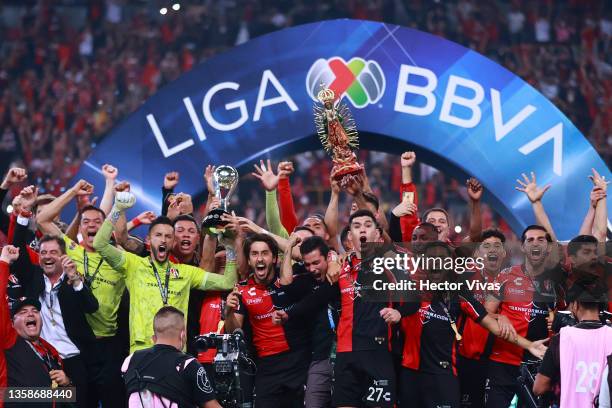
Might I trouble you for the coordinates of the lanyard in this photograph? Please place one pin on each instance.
(90, 278)
(332, 325)
(46, 358)
(451, 320)
(163, 290)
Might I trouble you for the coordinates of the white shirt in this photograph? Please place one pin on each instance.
(53, 328)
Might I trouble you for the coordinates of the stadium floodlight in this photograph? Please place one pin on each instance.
(176, 6)
(163, 11)
(458, 229)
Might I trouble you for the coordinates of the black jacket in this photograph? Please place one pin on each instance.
(74, 304)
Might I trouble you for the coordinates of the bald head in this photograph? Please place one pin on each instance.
(168, 325)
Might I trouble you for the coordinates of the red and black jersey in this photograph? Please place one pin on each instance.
(430, 345)
(477, 340)
(210, 316)
(526, 301)
(258, 303)
(360, 326)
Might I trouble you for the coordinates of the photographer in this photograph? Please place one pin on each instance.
(584, 348)
(163, 375)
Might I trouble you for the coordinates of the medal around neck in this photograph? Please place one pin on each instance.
(225, 181)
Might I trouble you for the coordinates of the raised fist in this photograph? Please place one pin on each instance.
(171, 180)
(15, 175)
(124, 200)
(110, 172)
(9, 254)
(408, 159)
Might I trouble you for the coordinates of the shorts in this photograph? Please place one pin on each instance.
(502, 384)
(281, 378)
(425, 390)
(472, 381)
(364, 378)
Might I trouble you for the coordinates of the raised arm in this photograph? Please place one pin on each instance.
(110, 175)
(233, 320)
(535, 194)
(171, 179)
(409, 197)
(285, 199)
(474, 190)
(600, 221)
(269, 181)
(115, 257)
(286, 274)
(54, 208)
(331, 213)
(7, 333)
(15, 175)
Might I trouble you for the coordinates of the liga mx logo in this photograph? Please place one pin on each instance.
(361, 82)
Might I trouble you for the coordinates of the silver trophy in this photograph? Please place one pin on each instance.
(225, 180)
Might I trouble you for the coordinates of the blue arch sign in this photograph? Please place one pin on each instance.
(407, 89)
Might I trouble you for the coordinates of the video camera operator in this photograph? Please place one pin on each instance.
(584, 348)
(163, 375)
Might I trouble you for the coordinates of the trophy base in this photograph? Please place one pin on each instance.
(212, 224)
(344, 172)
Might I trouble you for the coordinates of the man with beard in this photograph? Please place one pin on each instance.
(476, 346)
(364, 365)
(525, 297)
(106, 284)
(283, 353)
(30, 360)
(156, 281)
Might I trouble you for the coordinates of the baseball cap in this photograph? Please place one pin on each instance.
(24, 301)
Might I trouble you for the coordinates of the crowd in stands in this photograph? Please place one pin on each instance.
(57, 59)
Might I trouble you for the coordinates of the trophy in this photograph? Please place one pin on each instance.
(225, 180)
(338, 134)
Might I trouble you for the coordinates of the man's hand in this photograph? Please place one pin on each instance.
(15, 175)
(215, 203)
(232, 302)
(82, 187)
(233, 225)
(171, 180)
(531, 189)
(404, 208)
(208, 177)
(538, 349)
(70, 270)
(266, 175)
(391, 316)
(335, 185)
(59, 377)
(123, 186)
(124, 200)
(354, 185)
(599, 181)
(28, 197)
(474, 189)
(184, 203)
(507, 330)
(9, 254)
(146, 217)
(294, 241)
(110, 172)
(279, 317)
(408, 159)
(334, 266)
(596, 195)
(249, 226)
(285, 169)
(83, 201)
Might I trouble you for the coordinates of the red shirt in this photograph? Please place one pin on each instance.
(210, 316)
(526, 302)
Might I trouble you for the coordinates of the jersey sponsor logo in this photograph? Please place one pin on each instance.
(530, 311)
(13, 279)
(174, 272)
(203, 382)
(252, 291)
(427, 313)
(518, 281)
(516, 291)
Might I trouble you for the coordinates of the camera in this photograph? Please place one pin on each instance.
(232, 366)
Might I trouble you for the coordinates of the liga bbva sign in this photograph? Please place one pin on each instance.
(408, 90)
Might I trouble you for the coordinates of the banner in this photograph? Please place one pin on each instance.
(407, 89)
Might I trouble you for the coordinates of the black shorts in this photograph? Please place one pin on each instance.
(364, 378)
(281, 378)
(502, 384)
(424, 390)
(472, 380)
